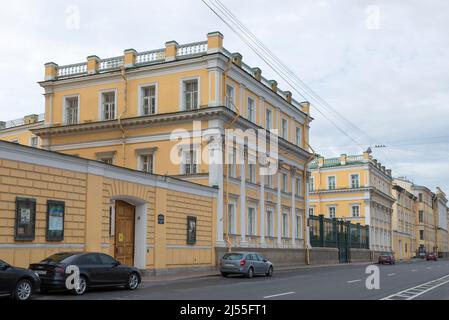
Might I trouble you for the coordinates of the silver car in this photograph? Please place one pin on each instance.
(245, 263)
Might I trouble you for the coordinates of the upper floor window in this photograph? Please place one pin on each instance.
(332, 212)
(270, 224)
(252, 170)
(284, 182)
(189, 161)
(269, 119)
(299, 137)
(34, 142)
(232, 163)
(284, 129)
(71, 109)
(420, 197)
(311, 184)
(311, 211)
(285, 232)
(269, 181)
(190, 95)
(148, 103)
(108, 105)
(332, 183)
(231, 218)
(355, 181)
(147, 163)
(251, 110)
(251, 221)
(298, 186)
(355, 211)
(108, 160)
(421, 216)
(230, 97)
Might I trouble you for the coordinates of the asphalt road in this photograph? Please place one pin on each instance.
(346, 282)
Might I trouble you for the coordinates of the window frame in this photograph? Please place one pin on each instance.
(101, 101)
(32, 235)
(328, 182)
(48, 236)
(284, 180)
(253, 107)
(334, 208)
(65, 106)
(299, 137)
(232, 228)
(228, 104)
(270, 231)
(285, 225)
(31, 142)
(351, 175)
(253, 231)
(194, 164)
(182, 88)
(358, 210)
(284, 129)
(141, 98)
(268, 119)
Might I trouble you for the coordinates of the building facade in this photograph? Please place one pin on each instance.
(405, 216)
(356, 189)
(143, 110)
(440, 209)
(19, 131)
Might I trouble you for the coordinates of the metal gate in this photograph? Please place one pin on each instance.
(342, 241)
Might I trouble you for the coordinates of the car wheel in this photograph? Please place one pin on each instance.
(133, 281)
(270, 272)
(80, 287)
(23, 290)
(224, 274)
(250, 273)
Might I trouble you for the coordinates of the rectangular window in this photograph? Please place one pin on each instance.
(421, 216)
(284, 182)
(299, 137)
(311, 211)
(189, 161)
(311, 184)
(421, 234)
(230, 97)
(298, 226)
(55, 220)
(420, 197)
(252, 170)
(251, 110)
(108, 105)
(269, 119)
(191, 230)
(332, 212)
(251, 221)
(107, 160)
(285, 225)
(331, 183)
(232, 163)
(355, 211)
(34, 142)
(298, 186)
(270, 229)
(147, 163)
(355, 181)
(269, 181)
(25, 219)
(284, 129)
(71, 110)
(231, 215)
(148, 103)
(191, 95)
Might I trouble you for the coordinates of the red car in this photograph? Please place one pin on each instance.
(387, 257)
(431, 256)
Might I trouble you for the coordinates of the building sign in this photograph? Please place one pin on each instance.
(161, 219)
(191, 230)
(25, 219)
(55, 220)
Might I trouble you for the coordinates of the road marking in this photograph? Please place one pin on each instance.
(429, 268)
(414, 270)
(392, 274)
(354, 281)
(417, 291)
(279, 295)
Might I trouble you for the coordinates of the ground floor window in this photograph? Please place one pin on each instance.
(231, 217)
(285, 225)
(270, 223)
(251, 221)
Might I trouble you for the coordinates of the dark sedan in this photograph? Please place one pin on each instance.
(95, 270)
(387, 258)
(17, 283)
(431, 256)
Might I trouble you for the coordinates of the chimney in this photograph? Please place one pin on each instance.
(305, 107)
(343, 159)
(237, 58)
(214, 42)
(30, 119)
(171, 50)
(389, 172)
(130, 58)
(288, 96)
(274, 85)
(257, 74)
(51, 71)
(2, 125)
(93, 64)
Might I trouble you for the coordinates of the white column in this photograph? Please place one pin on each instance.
(368, 223)
(262, 209)
(293, 209)
(243, 197)
(306, 236)
(279, 208)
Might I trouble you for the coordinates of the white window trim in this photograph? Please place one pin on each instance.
(100, 103)
(270, 234)
(329, 209)
(234, 218)
(247, 109)
(251, 234)
(328, 184)
(181, 91)
(299, 231)
(64, 107)
(350, 179)
(285, 236)
(197, 149)
(282, 129)
(104, 155)
(298, 186)
(311, 184)
(299, 143)
(352, 211)
(266, 119)
(38, 141)
(284, 190)
(140, 104)
(142, 154)
(228, 84)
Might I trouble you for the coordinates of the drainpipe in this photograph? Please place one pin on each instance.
(306, 190)
(125, 111)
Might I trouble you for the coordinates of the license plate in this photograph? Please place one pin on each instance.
(41, 273)
(229, 265)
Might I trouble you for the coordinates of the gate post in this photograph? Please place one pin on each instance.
(349, 240)
(322, 241)
(367, 237)
(359, 235)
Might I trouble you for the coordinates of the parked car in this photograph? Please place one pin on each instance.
(387, 257)
(245, 263)
(96, 270)
(17, 283)
(431, 256)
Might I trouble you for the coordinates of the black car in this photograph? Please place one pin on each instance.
(95, 270)
(17, 283)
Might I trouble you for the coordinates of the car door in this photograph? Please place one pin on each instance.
(6, 279)
(113, 273)
(90, 264)
(263, 264)
(252, 258)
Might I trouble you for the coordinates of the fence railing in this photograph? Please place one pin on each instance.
(333, 233)
(192, 48)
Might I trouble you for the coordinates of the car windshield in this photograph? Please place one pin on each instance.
(233, 256)
(58, 258)
(386, 254)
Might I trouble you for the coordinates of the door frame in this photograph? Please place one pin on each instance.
(140, 228)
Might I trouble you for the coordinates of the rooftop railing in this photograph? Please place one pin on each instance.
(150, 56)
(21, 121)
(192, 49)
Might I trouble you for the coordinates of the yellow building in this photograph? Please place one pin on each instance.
(131, 111)
(57, 203)
(355, 189)
(404, 222)
(441, 223)
(19, 131)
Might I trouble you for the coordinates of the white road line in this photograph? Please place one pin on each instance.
(279, 295)
(414, 270)
(429, 268)
(392, 274)
(354, 281)
(417, 291)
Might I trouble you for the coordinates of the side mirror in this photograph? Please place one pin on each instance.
(116, 264)
(4, 267)
(265, 260)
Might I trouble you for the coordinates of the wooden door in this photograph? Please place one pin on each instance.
(124, 232)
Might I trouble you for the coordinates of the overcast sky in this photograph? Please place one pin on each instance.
(384, 65)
